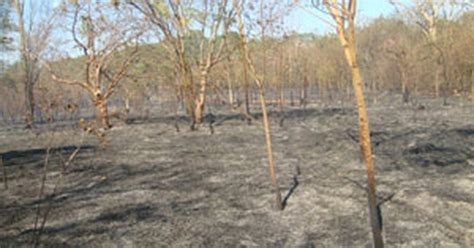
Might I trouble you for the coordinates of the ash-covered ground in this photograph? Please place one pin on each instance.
(154, 187)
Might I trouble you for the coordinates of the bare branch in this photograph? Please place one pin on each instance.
(73, 30)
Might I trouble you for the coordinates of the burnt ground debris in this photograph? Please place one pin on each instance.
(154, 187)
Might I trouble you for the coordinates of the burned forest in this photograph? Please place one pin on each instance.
(237, 123)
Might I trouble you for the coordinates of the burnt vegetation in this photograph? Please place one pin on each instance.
(218, 124)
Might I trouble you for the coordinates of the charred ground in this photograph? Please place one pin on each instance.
(155, 187)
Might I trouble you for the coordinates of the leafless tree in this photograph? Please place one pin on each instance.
(248, 62)
(34, 21)
(104, 36)
(343, 14)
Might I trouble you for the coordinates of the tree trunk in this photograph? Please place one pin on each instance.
(231, 92)
(405, 92)
(472, 85)
(445, 83)
(187, 88)
(230, 88)
(247, 62)
(127, 104)
(320, 89)
(347, 39)
(178, 98)
(436, 81)
(366, 148)
(304, 91)
(302, 95)
(281, 97)
(246, 88)
(365, 144)
(28, 63)
(280, 78)
(415, 89)
(29, 102)
(201, 101)
(292, 100)
(268, 140)
(103, 111)
(189, 102)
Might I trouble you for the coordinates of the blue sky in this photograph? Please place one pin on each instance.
(303, 22)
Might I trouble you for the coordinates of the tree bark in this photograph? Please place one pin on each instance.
(304, 91)
(188, 87)
(247, 61)
(347, 38)
(436, 82)
(29, 101)
(246, 88)
(405, 92)
(302, 95)
(230, 88)
(268, 141)
(231, 92)
(365, 143)
(472, 85)
(292, 100)
(189, 102)
(366, 148)
(280, 87)
(103, 111)
(201, 101)
(28, 65)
